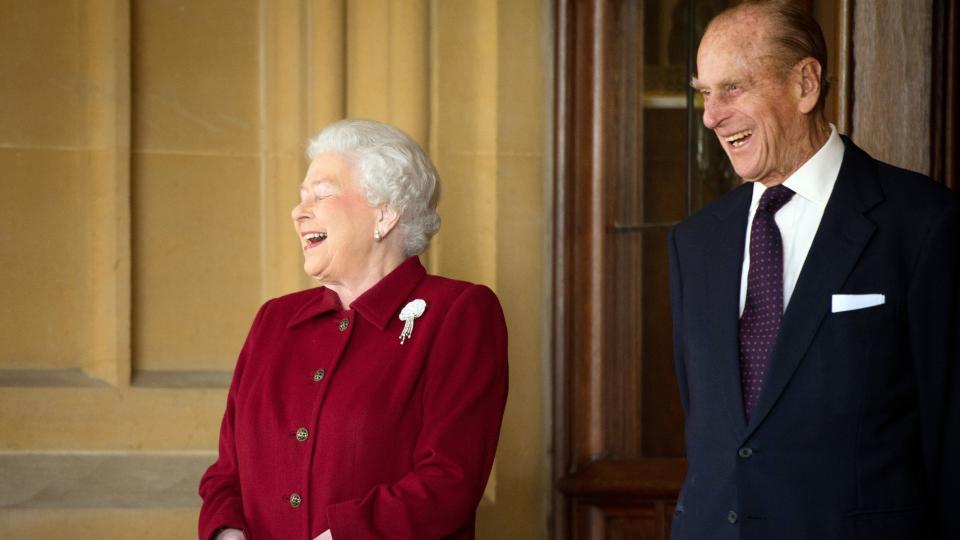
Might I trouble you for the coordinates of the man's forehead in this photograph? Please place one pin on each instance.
(744, 33)
(722, 68)
(728, 59)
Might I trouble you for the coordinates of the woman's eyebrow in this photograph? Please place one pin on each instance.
(313, 183)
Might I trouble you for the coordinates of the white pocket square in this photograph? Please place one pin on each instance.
(849, 302)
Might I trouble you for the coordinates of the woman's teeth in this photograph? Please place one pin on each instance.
(313, 238)
(739, 138)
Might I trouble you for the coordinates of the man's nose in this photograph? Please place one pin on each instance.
(713, 114)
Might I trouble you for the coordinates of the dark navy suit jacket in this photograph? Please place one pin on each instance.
(857, 430)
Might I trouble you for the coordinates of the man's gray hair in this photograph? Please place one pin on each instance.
(391, 169)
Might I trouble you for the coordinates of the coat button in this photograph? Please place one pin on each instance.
(745, 452)
(302, 434)
(732, 517)
(295, 500)
(318, 375)
(344, 323)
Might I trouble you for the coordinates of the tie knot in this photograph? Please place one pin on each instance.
(774, 198)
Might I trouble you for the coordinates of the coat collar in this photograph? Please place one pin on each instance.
(377, 305)
(723, 281)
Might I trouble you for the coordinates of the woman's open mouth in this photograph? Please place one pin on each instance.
(313, 239)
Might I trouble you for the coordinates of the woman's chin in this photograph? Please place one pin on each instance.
(313, 271)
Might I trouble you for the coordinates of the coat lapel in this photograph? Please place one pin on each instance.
(723, 266)
(843, 233)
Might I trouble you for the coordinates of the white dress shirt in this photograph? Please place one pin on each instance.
(799, 219)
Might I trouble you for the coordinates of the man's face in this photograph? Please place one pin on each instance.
(754, 111)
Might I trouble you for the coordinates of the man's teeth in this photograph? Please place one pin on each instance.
(313, 238)
(737, 139)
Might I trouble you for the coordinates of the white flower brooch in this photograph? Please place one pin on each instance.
(413, 310)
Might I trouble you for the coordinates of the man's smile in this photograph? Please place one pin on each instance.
(739, 138)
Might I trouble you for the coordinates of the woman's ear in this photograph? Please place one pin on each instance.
(387, 219)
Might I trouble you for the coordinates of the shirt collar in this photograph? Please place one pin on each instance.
(814, 179)
(378, 304)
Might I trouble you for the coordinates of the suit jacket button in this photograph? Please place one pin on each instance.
(302, 434)
(745, 452)
(318, 375)
(344, 323)
(295, 500)
(732, 517)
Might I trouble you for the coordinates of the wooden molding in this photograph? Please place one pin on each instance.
(843, 87)
(944, 114)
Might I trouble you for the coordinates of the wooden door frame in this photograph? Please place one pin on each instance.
(584, 475)
(944, 112)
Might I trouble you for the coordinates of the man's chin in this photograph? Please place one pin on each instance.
(747, 174)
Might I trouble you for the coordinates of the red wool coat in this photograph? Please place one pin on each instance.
(332, 423)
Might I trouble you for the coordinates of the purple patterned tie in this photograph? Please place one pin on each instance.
(763, 309)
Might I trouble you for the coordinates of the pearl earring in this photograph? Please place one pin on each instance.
(376, 234)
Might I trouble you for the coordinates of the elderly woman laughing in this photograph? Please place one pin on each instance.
(368, 407)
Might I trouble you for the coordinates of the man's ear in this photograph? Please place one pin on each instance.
(810, 73)
(387, 219)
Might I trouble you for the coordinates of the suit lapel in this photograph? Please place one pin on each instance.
(722, 268)
(843, 233)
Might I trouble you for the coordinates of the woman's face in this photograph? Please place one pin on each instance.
(334, 221)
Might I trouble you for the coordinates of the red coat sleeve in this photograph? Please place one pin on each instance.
(464, 396)
(222, 505)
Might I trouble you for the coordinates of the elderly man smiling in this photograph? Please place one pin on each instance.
(816, 312)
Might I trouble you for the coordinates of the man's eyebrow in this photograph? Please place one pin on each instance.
(725, 83)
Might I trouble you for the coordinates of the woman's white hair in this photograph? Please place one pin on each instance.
(391, 169)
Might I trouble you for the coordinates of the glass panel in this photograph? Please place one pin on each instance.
(662, 415)
(666, 165)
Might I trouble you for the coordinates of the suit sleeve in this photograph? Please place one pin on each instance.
(676, 304)
(464, 395)
(934, 325)
(222, 505)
